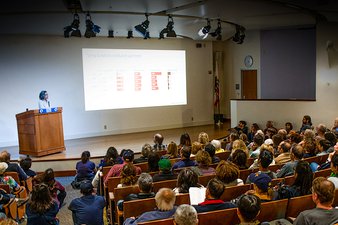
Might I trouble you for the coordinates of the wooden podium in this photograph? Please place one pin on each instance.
(40, 133)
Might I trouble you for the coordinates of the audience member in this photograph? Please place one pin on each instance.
(87, 209)
(186, 178)
(320, 130)
(165, 172)
(323, 147)
(146, 149)
(185, 215)
(212, 151)
(232, 137)
(239, 144)
(218, 146)
(253, 129)
(306, 124)
(4, 199)
(85, 169)
(41, 208)
(261, 186)
(195, 148)
(244, 138)
(258, 140)
(12, 167)
(184, 141)
(203, 160)
(269, 130)
(334, 168)
(248, 208)
(158, 140)
(145, 185)
(203, 138)
(309, 143)
(295, 138)
(288, 127)
(172, 150)
(165, 200)
(13, 185)
(26, 164)
(334, 129)
(283, 133)
(111, 158)
(185, 159)
(284, 153)
(276, 140)
(268, 157)
(212, 202)
(153, 159)
(56, 189)
(264, 160)
(115, 171)
(239, 158)
(128, 175)
(332, 138)
(323, 195)
(288, 168)
(302, 184)
(241, 128)
(228, 173)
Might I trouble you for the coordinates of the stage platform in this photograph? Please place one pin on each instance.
(66, 160)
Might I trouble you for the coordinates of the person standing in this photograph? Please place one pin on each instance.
(44, 103)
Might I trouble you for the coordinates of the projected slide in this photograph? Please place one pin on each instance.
(126, 78)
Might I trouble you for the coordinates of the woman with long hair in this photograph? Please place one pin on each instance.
(111, 158)
(41, 208)
(186, 178)
(128, 175)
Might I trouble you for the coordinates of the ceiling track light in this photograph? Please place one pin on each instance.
(73, 29)
(169, 29)
(143, 28)
(204, 31)
(91, 28)
(239, 35)
(218, 32)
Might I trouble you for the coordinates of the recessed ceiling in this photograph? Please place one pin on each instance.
(50, 17)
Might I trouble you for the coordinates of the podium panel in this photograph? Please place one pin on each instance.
(40, 134)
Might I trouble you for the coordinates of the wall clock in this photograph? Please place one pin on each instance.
(248, 61)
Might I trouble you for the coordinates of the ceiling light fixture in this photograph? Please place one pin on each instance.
(204, 31)
(143, 28)
(218, 32)
(239, 35)
(73, 29)
(91, 28)
(169, 29)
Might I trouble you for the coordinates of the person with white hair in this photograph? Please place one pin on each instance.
(217, 145)
(165, 199)
(185, 215)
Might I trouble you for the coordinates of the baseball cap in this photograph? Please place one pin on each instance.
(86, 186)
(261, 180)
(164, 164)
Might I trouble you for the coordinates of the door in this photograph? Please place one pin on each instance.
(249, 84)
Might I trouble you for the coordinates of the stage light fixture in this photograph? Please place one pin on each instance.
(130, 34)
(91, 28)
(143, 28)
(73, 29)
(239, 35)
(169, 29)
(204, 31)
(218, 32)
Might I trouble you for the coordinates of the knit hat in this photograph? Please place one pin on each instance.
(164, 164)
(3, 167)
(261, 180)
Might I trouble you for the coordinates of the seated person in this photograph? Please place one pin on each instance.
(203, 139)
(146, 149)
(111, 158)
(261, 186)
(195, 148)
(4, 199)
(241, 127)
(87, 209)
(334, 129)
(153, 159)
(265, 159)
(323, 147)
(253, 129)
(323, 195)
(302, 184)
(334, 168)
(212, 150)
(264, 147)
(288, 168)
(165, 200)
(284, 153)
(185, 215)
(26, 165)
(269, 130)
(128, 175)
(12, 167)
(158, 140)
(165, 171)
(203, 160)
(248, 208)
(115, 171)
(172, 151)
(232, 137)
(228, 173)
(186, 178)
(13, 185)
(218, 146)
(288, 127)
(239, 158)
(185, 159)
(85, 169)
(306, 124)
(258, 140)
(212, 202)
(145, 185)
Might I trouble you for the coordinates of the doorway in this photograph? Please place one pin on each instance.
(249, 84)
